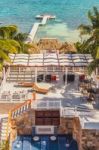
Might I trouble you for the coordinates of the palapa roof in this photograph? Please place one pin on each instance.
(49, 44)
(53, 44)
(50, 59)
(68, 47)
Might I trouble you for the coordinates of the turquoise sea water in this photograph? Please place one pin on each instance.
(69, 13)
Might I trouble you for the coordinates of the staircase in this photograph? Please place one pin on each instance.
(3, 128)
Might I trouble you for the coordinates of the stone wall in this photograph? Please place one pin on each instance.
(90, 139)
(24, 123)
(71, 125)
(86, 138)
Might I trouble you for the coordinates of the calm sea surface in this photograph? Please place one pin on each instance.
(69, 13)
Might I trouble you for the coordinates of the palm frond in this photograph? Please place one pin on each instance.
(4, 34)
(14, 43)
(85, 29)
(21, 37)
(92, 66)
(97, 53)
(4, 56)
(96, 12)
(12, 29)
(94, 17)
(6, 46)
(7, 32)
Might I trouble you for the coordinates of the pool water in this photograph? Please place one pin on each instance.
(44, 143)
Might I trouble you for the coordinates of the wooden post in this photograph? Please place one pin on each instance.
(3, 73)
(35, 74)
(44, 70)
(34, 95)
(66, 71)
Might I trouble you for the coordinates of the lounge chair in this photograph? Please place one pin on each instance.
(39, 90)
(26, 84)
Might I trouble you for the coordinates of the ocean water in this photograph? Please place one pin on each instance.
(69, 13)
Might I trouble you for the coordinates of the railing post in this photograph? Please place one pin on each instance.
(35, 74)
(75, 110)
(34, 95)
(61, 111)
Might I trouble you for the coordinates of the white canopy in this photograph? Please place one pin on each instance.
(49, 59)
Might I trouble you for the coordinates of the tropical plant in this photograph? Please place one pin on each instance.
(8, 32)
(11, 32)
(91, 44)
(11, 42)
(6, 47)
(7, 44)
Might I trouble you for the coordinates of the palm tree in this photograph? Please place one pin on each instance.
(11, 32)
(8, 32)
(6, 47)
(11, 42)
(91, 44)
(21, 37)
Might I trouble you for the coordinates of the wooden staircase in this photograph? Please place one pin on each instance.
(5, 123)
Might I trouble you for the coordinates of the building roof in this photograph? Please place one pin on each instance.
(51, 59)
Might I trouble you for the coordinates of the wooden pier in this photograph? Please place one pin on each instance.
(36, 25)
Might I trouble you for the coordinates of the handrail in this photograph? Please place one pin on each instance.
(21, 108)
(10, 116)
(47, 104)
(28, 101)
(78, 110)
(8, 123)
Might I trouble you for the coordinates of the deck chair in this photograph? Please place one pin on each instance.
(39, 90)
(26, 84)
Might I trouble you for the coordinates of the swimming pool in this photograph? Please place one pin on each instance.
(60, 142)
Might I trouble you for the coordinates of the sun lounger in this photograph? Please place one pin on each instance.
(34, 86)
(26, 84)
(39, 90)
